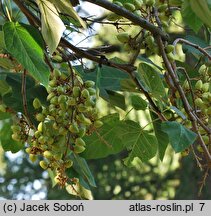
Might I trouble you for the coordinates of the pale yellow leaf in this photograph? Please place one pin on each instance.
(52, 26)
(78, 190)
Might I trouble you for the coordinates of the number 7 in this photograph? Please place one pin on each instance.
(202, 205)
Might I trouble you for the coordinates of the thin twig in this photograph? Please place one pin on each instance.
(189, 84)
(186, 104)
(23, 92)
(202, 50)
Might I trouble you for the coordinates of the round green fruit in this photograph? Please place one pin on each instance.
(199, 102)
(16, 137)
(123, 37)
(47, 154)
(138, 13)
(56, 73)
(43, 164)
(73, 128)
(89, 83)
(71, 101)
(205, 139)
(40, 127)
(80, 142)
(32, 158)
(138, 4)
(129, 6)
(169, 48)
(28, 150)
(150, 3)
(162, 8)
(79, 149)
(76, 91)
(68, 163)
(98, 124)
(171, 57)
(16, 128)
(36, 103)
(52, 83)
(40, 117)
(199, 85)
(85, 93)
(118, 3)
(62, 99)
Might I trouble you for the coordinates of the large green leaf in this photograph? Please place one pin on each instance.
(139, 142)
(21, 44)
(4, 87)
(116, 99)
(107, 78)
(162, 139)
(179, 136)
(6, 63)
(81, 167)
(107, 140)
(201, 9)
(52, 25)
(2, 43)
(138, 103)
(7, 142)
(4, 115)
(14, 99)
(152, 80)
(190, 17)
(198, 41)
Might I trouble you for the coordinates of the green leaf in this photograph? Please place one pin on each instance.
(14, 99)
(116, 99)
(179, 136)
(22, 46)
(128, 85)
(162, 139)
(195, 40)
(81, 167)
(152, 80)
(8, 144)
(110, 78)
(2, 43)
(4, 87)
(107, 140)
(190, 17)
(138, 103)
(140, 143)
(4, 115)
(6, 63)
(178, 112)
(52, 25)
(201, 10)
(65, 7)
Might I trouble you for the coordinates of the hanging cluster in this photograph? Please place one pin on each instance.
(69, 115)
(202, 100)
(157, 12)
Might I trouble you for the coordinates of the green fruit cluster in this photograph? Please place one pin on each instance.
(20, 129)
(202, 100)
(69, 116)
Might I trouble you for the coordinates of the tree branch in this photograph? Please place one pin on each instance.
(130, 16)
(186, 104)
